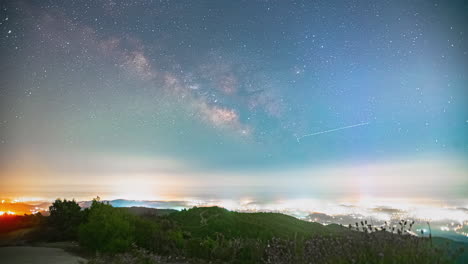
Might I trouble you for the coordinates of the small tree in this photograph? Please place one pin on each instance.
(65, 216)
(107, 229)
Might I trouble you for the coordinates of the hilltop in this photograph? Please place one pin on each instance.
(214, 234)
(210, 221)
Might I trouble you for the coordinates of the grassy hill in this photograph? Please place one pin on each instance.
(285, 239)
(209, 221)
(148, 212)
(214, 234)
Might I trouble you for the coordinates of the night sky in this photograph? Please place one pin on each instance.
(170, 99)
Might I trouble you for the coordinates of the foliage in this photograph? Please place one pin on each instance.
(10, 223)
(135, 256)
(66, 216)
(218, 234)
(107, 229)
(210, 221)
(213, 234)
(113, 230)
(158, 235)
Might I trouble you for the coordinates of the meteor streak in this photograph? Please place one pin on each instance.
(330, 130)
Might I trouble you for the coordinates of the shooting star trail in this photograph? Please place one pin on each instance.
(330, 130)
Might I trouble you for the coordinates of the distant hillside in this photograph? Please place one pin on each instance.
(144, 211)
(208, 221)
(212, 222)
(216, 235)
(141, 203)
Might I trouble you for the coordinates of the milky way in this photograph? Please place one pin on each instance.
(180, 93)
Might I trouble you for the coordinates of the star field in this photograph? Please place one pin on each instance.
(229, 86)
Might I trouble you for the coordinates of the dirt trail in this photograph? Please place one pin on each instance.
(37, 255)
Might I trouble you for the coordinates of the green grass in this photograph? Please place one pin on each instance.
(208, 221)
(300, 240)
(214, 234)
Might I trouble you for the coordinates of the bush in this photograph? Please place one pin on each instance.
(113, 230)
(107, 229)
(219, 236)
(10, 223)
(65, 217)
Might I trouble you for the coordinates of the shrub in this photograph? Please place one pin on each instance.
(65, 217)
(107, 229)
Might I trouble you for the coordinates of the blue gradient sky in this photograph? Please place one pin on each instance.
(144, 99)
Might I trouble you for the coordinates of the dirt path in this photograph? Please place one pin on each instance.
(37, 255)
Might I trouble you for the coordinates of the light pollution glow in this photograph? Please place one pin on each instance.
(404, 185)
(305, 107)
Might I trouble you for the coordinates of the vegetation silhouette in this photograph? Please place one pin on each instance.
(216, 235)
(66, 216)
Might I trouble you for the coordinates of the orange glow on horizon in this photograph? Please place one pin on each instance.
(16, 207)
(7, 213)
